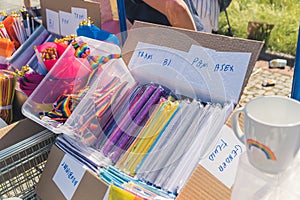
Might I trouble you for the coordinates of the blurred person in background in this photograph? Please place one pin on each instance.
(177, 13)
(208, 11)
(27, 3)
(28, 6)
(197, 15)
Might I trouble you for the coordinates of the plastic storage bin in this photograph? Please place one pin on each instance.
(70, 75)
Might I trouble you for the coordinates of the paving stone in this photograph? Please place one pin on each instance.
(280, 86)
(269, 93)
(276, 91)
(260, 92)
(254, 87)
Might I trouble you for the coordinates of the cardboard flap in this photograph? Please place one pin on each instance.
(90, 187)
(93, 8)
(182, 39)
(17, 132)
(203, 185)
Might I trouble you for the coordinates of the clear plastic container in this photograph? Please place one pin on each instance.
(251, 183)
(84, 123)
(70, 75)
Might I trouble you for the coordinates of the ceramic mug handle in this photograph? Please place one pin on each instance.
(236, 126)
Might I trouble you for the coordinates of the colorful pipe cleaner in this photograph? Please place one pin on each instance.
(82, 50)
(66, 103)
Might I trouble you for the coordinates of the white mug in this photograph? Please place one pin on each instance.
(271, 132)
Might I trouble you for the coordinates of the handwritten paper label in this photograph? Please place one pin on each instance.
(68, 175)
(52, 20)
(149, 53)
(163, 65)
(67, 25)
(231, 68)
(79, 14)
(171, 67)
(222, 161)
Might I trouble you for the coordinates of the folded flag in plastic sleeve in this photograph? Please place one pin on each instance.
(6, 47)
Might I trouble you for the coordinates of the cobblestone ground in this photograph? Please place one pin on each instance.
(10, 5)
(254, 88)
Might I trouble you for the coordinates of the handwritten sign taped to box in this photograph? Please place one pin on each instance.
(70, 12)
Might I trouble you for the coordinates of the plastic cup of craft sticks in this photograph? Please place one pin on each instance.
(66, 84)
(251, 183)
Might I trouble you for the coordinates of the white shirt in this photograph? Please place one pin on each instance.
(209, 12)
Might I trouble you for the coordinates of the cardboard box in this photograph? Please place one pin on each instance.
(93, 8)
(90, 187)
(18, 102)
(17, 132)
(201, 185)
